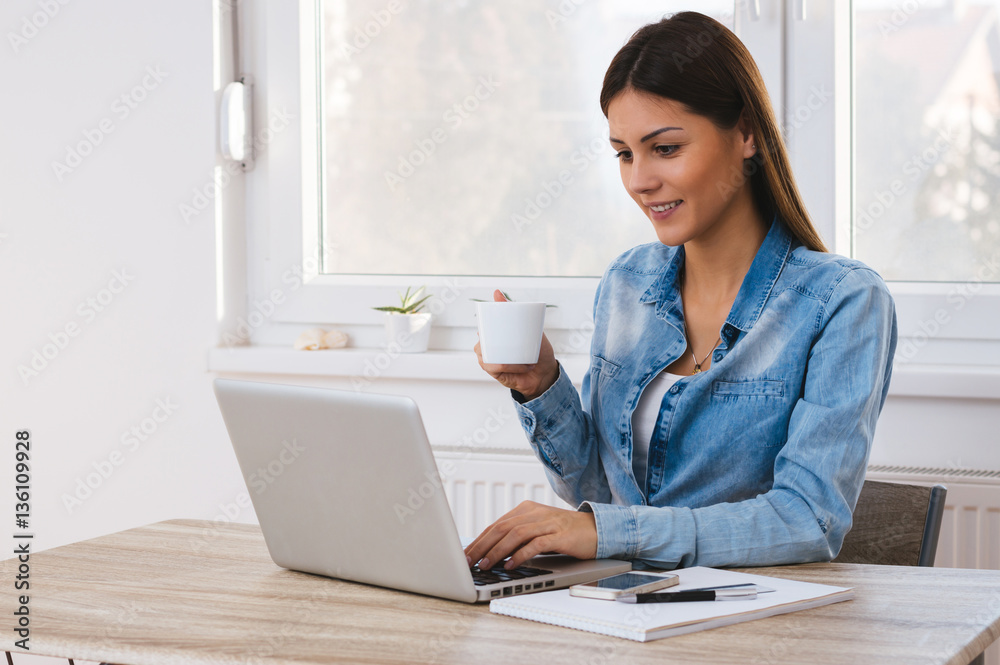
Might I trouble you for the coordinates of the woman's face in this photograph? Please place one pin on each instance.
(683, 172)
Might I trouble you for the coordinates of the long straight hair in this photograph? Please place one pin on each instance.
(696, 61)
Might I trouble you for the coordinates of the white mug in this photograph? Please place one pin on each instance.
(510, 333)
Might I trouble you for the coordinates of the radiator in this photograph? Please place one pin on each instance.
(481, 487)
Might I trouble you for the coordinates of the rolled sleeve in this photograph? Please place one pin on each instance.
(660, 537)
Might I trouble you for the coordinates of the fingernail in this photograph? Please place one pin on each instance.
(484, 563)
(509, 564)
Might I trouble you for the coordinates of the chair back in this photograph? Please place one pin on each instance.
(895, 524)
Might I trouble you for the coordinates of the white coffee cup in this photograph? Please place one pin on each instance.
(510, 333)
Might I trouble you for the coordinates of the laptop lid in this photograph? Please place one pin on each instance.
(345, 485)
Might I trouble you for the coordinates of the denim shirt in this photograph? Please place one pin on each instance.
(756, 461)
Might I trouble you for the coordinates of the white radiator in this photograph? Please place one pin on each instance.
(481, 487)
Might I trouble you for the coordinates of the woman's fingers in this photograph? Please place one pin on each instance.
(515, 538)
(485, 541)
(531, 529)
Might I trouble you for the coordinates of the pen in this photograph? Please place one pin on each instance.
(690, 596)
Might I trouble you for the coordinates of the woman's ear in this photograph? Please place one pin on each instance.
(746, 134)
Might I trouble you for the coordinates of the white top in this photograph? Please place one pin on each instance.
(644, 420)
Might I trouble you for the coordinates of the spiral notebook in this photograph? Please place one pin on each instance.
(647, 622)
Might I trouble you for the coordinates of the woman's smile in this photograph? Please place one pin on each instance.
(661, 211)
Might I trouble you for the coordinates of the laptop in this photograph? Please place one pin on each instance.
(344, 485)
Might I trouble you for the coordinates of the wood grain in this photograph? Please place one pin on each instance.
(888, 525)
(187, 591)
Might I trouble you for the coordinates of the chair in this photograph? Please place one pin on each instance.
(895, 524)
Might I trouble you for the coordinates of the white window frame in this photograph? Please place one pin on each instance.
(937, 325)
(785, 37)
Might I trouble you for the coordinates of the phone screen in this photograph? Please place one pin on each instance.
(624, 581)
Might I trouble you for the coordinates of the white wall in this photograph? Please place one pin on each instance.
(65, 239)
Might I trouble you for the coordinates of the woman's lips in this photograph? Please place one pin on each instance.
(662, 211)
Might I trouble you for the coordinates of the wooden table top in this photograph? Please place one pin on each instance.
(191, 591)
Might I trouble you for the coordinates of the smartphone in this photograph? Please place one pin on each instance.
(625, 584)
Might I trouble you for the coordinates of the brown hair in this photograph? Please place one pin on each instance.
(693, 59)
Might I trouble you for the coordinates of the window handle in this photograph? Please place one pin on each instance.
(800, 11)
(754, 7)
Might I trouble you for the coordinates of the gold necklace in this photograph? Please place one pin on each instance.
(697, 365)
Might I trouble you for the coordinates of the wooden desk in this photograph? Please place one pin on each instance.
(187, 591)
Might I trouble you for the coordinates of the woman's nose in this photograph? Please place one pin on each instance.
(642, 178)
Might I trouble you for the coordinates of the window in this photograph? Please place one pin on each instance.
(927, 155)
(467, 138)
(381, 181)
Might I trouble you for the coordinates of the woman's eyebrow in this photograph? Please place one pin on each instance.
(648, 136)
(658, 131)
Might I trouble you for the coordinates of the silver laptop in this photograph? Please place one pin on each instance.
(345, 485)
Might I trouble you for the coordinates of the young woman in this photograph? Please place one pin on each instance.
(737, 368)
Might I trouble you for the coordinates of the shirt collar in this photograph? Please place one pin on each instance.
(754, 291)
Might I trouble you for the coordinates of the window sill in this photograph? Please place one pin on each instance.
(908, 380)
(369, 363)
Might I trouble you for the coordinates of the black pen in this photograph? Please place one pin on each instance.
(690, 596)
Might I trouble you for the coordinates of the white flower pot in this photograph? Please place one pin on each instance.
(407, 333)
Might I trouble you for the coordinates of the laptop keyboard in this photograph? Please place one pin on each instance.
(498, 574)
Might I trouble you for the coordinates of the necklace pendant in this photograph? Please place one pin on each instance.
(696, 370)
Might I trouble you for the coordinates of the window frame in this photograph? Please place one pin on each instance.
(283, 192)
(821, 150)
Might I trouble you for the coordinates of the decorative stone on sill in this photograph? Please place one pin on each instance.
(316, 339)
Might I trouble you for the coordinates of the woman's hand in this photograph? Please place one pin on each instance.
(529, 380)
(533, 528)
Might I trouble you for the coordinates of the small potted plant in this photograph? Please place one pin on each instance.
(407, 328)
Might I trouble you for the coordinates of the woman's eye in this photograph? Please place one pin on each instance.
(666, 149)
(623, 155)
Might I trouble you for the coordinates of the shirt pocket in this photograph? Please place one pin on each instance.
(603, 369)
(751, 413)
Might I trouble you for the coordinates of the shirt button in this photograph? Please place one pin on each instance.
(718, 356)
(526, 421)
(674, 389)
